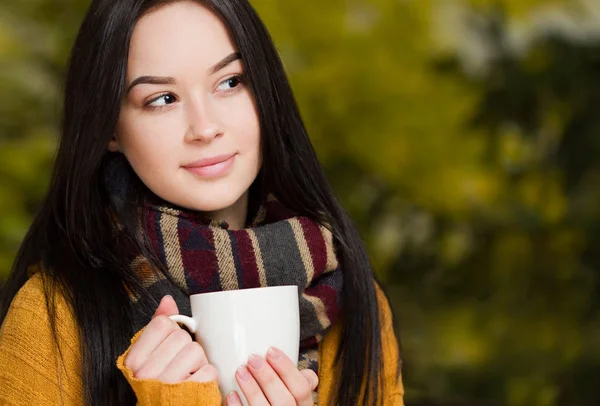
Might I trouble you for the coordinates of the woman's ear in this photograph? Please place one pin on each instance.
(113, 144)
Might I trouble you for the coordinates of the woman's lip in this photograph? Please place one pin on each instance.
(211, 167)
(208, 161)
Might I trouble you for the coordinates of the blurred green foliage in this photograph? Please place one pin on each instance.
(463, 138)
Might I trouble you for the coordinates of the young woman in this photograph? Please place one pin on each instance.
(183, 168)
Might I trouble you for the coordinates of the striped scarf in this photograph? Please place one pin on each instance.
(278, 248)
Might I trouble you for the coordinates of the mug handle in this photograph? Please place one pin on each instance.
(189, 322)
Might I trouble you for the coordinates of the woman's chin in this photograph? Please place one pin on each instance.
(217, 202)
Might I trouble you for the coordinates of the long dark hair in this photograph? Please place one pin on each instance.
(73, 232)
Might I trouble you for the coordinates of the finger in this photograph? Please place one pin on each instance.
(190, 359)
(166, 307)
(205, 374)
(270, 383)
(296, 382)
(155, 333)
(233, 399)
(250, 388)
(162, 356)
(311, 377)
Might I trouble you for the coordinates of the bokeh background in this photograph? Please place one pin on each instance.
(463, 136)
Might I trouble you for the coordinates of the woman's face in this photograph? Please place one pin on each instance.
(188, 124)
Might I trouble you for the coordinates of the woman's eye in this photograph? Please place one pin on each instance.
(162, 100)
(230, 84)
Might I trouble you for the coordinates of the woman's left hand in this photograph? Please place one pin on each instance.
(274, 381)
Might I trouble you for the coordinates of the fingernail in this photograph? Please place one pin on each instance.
(244, 374)
(232, 399)
(274, 353)
(255, 361)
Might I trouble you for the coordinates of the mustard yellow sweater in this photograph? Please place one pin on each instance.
(32, 373)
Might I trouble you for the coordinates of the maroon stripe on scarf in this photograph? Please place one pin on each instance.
(183, 232)
(201, 265)
(250, 276)
(316, 245)
(309, 342)
(328, 296)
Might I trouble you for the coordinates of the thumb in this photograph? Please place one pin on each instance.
(167, 307)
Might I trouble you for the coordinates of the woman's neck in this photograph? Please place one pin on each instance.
(235, 215)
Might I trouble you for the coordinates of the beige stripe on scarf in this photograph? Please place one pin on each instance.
(168, 228)
(145, 273)
(260, 216)
(332, 262)
(224, 252)
(307, 260)
(258, 257)
(311, 357)
(319, 310)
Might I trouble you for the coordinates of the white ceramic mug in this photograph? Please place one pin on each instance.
(232, 325)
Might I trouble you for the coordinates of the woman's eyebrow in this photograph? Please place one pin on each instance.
(224, 62)
(152, 80)
(167, 80)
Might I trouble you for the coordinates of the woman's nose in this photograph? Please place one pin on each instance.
(204, 124)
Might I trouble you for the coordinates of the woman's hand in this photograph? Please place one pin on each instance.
(274, 381)
(166, 352)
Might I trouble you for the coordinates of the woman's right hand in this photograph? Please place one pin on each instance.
(166, 352)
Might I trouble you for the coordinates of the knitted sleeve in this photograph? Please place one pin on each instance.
(151, 392)
(34, 372)
(31, 370)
